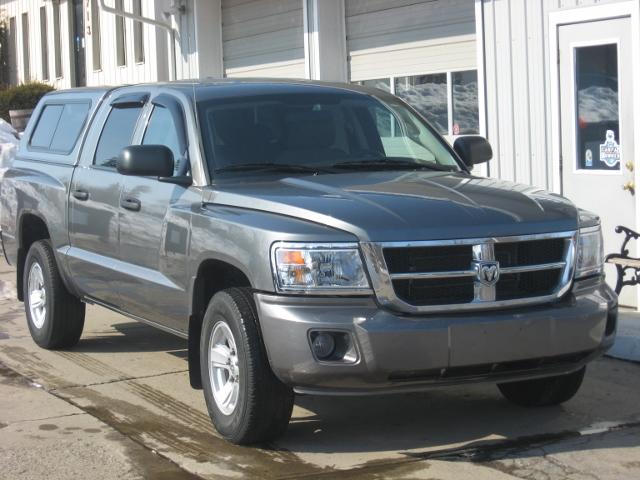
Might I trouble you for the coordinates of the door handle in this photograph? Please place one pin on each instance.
(629, 186)
(130, 203)
(81, 195)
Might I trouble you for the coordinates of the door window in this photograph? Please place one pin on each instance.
(162, 130)
(116, 134)
(597, 118)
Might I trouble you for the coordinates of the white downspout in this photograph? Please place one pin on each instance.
(150, 21)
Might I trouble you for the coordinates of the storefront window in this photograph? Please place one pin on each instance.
(465, 117)
(428, 95)
(448, 100)
(381, 83)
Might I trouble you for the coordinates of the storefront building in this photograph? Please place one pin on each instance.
(549, 82)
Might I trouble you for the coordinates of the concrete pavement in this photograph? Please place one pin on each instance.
(627, 346)
(119, 406)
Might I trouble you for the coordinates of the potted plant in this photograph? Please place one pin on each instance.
(17, 103)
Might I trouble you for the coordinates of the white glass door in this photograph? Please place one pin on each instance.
(596, 104)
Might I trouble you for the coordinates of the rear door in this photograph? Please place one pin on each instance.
(154, 226)
(95, 200)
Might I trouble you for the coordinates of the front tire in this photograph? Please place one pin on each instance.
(246, 402)
(543, 391)
(55, 317)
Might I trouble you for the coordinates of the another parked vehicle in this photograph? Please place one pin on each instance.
(304, 237)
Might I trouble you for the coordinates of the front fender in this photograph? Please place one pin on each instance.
(243, 239)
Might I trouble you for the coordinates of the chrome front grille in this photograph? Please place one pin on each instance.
(462, 274)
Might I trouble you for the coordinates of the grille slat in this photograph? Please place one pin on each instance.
(437, 291)
(428, 259)
(532, 252)
(442, 275)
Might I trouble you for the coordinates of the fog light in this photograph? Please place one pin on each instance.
(323, 345)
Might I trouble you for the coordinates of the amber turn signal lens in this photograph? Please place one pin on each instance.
(291, 257)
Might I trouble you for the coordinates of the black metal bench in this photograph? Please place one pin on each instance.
(623, 262)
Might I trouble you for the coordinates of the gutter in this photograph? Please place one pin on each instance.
(149, 21)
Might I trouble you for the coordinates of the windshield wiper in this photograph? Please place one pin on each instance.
(391, 163)
(275, 167)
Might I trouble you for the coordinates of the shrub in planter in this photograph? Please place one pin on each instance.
(21, 97)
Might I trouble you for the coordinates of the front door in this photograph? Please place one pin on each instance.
(154, 227)
(596, 105)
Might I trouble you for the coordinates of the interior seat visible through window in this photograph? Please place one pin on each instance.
(310, 137)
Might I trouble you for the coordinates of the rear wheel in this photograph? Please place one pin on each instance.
(543, 391)
(55, 317)
(246, 402)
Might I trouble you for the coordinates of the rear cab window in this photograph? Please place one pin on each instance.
(58, 127)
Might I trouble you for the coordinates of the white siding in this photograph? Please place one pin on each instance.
(155, 51)
(15, 8)
(407, 37)
(518, 87)
(263, 38)
(186, 52)
(153, 68)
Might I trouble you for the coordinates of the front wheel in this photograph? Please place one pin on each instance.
(543, 391)
(246, 402)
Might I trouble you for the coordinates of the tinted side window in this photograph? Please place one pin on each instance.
(116, 134)
(47, 124)
(162, 130)
(59, 126)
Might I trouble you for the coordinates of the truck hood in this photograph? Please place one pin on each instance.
(401, 206)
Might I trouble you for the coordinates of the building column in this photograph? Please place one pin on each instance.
(325, 41)
(207, 18)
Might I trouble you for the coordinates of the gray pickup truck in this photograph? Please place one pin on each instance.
(304, 237)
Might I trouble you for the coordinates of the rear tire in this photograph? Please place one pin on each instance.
(246, 402)
(55, 317)
(543, 391)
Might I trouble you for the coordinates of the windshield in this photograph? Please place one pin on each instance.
(318, 133)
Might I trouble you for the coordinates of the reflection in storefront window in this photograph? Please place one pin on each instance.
(465, 118)
(597, 122)
(428, 95)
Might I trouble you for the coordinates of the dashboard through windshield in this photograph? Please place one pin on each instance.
(318, 133)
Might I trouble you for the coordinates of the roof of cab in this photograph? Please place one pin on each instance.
(210, 88)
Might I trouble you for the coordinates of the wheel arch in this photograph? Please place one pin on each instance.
(212, 275)
(31, 228)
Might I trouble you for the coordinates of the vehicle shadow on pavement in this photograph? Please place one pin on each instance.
(132, 337)
(475, 416)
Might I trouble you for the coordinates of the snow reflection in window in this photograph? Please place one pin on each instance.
(465, 103)
(428, 95)
(597, 123)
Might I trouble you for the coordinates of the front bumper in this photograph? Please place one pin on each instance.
(397, 353)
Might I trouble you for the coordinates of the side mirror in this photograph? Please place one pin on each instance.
(473, 150)
(146, 161)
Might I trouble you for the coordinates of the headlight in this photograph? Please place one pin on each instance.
(319, 268)
(590, 256)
